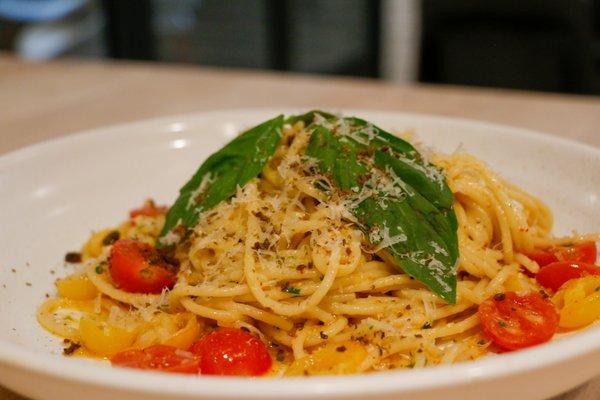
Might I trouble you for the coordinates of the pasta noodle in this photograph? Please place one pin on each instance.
(283, 261)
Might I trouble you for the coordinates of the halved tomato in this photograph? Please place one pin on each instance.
(554, 275)
(230, 351)
(584, 252)
(137, 267)
(159, 357)
(513, 322)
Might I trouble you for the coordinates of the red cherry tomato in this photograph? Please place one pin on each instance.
(137, 267)
(543, 257)
(584, 252)
(554, 275)
(159, 357)
(513, 322)
(229, 351)
(149, 209)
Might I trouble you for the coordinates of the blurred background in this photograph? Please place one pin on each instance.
(546, 45)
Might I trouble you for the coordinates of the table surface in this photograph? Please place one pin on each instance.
(47, 100)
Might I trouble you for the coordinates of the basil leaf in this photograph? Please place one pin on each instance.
(402, 203)
(438, 209)
(334, 158)
(219, 176)
(410, 166)
(308, 117)
(380, 138)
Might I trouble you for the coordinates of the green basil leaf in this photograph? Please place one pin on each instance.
(308, 117)
(335, 158)
(219, 176)
(379, 137)
(408, 207)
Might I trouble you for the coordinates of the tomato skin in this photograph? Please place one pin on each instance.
(514, 322)
(149, 209)
(542, 257)
(137, 267)
(554, 275)
(584, 252)
(160, 358)
(230, 351)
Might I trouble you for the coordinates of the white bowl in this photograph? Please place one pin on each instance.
(54, 193)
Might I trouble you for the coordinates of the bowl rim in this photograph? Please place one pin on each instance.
(396, 381)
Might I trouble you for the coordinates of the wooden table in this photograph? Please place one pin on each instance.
(43, 101)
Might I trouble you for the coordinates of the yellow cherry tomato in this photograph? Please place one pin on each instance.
(104, 339)
(579, 302)
(76, 287)
(331, 359)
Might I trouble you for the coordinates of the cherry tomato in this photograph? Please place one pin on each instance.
(543, 256)
(230, 351)
(159, 357)
(554, 275)
(584, 252)
(513, 322)
(137, 267)
(149, 209)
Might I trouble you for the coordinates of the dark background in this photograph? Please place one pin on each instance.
(546, 45)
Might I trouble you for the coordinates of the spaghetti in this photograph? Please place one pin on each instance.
(292, 266)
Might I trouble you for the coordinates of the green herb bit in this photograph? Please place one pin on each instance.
(99, 270)
(502, 324)
(291, 290)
